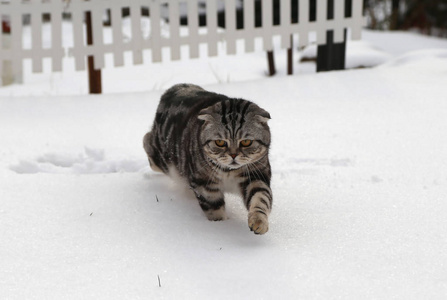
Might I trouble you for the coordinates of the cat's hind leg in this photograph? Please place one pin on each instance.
(147, 145)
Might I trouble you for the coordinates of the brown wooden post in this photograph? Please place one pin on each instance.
(271, 63)
(94, 76)
(290, 57)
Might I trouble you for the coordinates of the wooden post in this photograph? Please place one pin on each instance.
(290, 57)
(94, 76)
(271, 63)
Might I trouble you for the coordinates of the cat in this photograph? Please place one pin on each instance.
(215, 144)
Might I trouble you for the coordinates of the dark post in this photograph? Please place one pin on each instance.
(290, 57)
(394, 14)
(332, 55)
(94, 76)
(271, 63)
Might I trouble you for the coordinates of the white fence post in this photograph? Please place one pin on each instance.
(117, 35)
(137, 38)
(211, 24)
(230, 26)
(193, 25)
(8, 77)
(249, 25)
(56, 38)
(155, 35)
(174, 27)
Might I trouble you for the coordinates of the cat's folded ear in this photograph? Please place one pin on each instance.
(262, 115)
(206, 114)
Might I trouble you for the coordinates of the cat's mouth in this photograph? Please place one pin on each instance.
(231, 166)
(235, 165)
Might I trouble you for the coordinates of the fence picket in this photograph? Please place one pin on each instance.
(78, 50)
(230, 26)
(321, 22)
(36, 37)
(303, 23)
(267, 23)
(56, 37)
(357, 19)
(117, 36)
(211, 25)
(155, 34)
(3, 52)
(174, 24)
(16, 40)
(137, 36)
(249, 25)
(193, 25)
(339, 28)
(286, 20)
(97, 49)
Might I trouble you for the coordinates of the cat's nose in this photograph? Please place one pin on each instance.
(233, 155)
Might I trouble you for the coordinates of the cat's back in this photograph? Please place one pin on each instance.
(187, 97)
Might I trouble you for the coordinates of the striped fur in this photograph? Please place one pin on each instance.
(188, 122)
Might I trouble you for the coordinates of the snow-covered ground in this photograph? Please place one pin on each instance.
(359, 163)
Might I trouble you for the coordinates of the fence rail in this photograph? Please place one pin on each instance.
(15, 10)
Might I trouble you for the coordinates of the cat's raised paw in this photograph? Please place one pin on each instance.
(258, 222)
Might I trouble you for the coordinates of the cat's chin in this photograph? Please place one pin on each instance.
(234, 166)
(231, 166)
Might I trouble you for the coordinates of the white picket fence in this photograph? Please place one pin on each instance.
(15, 10)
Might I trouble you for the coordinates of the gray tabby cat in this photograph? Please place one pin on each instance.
(215, 144)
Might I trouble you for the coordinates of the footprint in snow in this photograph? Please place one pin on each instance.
(92, 161)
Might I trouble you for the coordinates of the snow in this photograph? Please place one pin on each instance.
(359, 185)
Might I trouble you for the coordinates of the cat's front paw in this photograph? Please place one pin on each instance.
(258, 222)
(216, 214)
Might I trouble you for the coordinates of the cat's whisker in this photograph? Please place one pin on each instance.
(255, 170)
(202, 163)
(211, 175)
(248, 173)
(260, 172)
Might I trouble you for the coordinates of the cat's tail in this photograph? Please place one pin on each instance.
(147, 141)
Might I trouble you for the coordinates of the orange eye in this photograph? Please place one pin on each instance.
(246, 143)
(221, 143)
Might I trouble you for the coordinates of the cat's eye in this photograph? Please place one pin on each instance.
(221, 143)
(246, 143)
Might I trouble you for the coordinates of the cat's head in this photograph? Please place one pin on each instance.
(234, 133)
